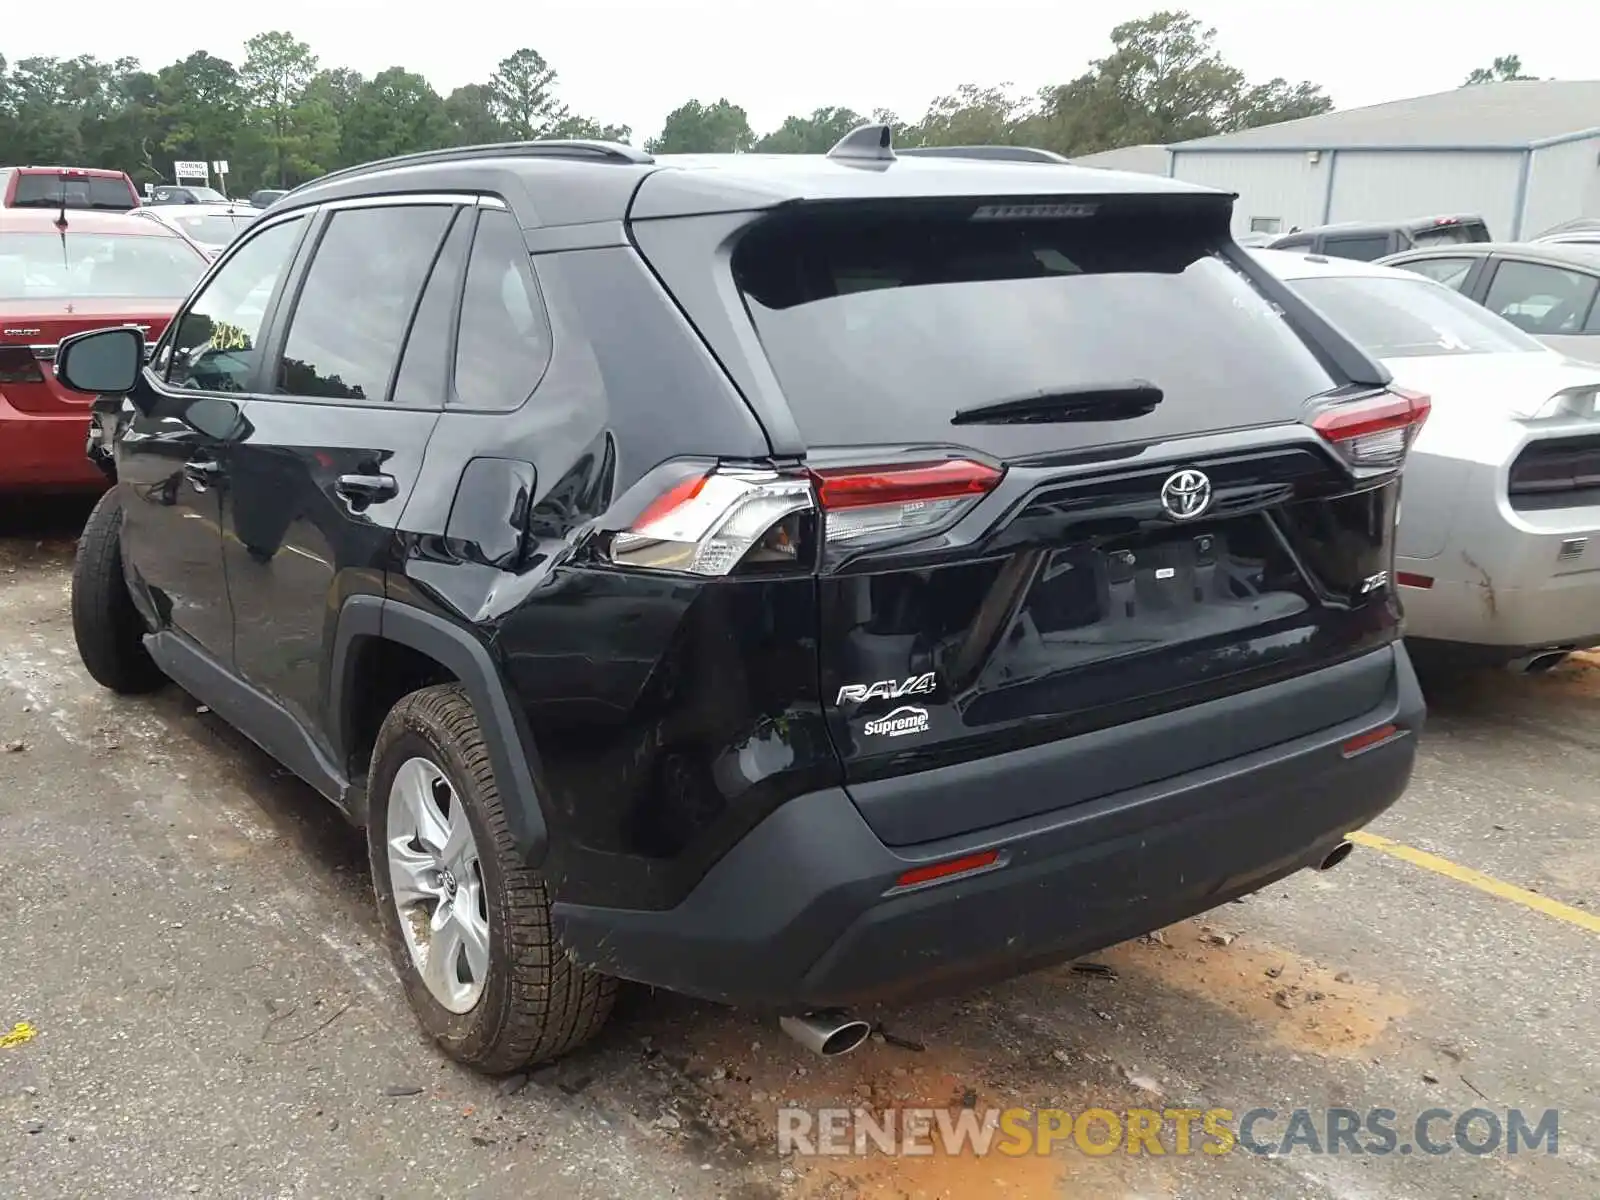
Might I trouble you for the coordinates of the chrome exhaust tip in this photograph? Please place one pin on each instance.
(829, 1034)
(1538, 664)
(1336, 856)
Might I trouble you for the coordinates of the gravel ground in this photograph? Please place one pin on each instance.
(191, 945)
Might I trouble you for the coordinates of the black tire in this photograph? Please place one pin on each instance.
(108, 628)
(537, 1004)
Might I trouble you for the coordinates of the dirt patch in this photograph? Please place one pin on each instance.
(735, 1076)
(1577, 675)
(1306, 1006)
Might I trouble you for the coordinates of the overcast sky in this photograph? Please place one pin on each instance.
(632, 61)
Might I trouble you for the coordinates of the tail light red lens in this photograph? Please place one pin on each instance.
(864, 504)
(713, 522)
(1375, 432)
(18, 365)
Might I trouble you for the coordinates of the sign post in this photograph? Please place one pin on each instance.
(221, 168)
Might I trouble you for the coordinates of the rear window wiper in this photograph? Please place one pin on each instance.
(1087, 402)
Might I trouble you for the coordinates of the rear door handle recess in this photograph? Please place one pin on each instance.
(202, 473)
(367, 489)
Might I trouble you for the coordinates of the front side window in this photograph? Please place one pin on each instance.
(1409, 318)
(504, 344)
(1539, 299)
(348, 325)
(215, 348)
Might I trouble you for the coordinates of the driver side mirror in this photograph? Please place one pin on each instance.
(101, 361)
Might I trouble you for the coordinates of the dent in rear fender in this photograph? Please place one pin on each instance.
(468, 659)
(672, 714)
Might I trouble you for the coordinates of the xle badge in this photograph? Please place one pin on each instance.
(900, 722)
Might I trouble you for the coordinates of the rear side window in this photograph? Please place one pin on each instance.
(881, 326)
(504, 344)
(1452, 272)
(425, 368)
(1364, 248)
(348, 325)
(1409, 318)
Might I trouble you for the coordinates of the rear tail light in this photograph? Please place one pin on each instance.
(709, 524)
(869, 504)
(1374, 432)
(18, 365)
(714, 522)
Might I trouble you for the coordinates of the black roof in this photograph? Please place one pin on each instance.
(568, 183)
(1411, 224)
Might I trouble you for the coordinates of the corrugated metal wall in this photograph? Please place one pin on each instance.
(1392, 185)
(1563, 183)
(1281, 184)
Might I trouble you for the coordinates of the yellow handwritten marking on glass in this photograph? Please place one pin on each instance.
(20, 1032)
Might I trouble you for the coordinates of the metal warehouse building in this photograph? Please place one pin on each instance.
(1525, 156)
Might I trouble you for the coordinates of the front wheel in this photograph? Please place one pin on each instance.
(468, 923)
(106, 625)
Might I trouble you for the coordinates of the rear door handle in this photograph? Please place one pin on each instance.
(367, 489)
(202, 472)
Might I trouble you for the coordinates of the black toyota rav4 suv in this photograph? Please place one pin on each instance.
(793, 581)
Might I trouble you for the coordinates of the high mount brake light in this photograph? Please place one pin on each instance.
(1375, 432)
(712, 522)
(865, 504)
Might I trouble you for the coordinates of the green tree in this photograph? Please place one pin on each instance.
(1277, 100)
(278, 69)
(815, 134)
(1505, 69)
(201, 106)
(696, 128)
(589, 129)
(523, 97)
(471, 110)
(395, 112)
(972, 116)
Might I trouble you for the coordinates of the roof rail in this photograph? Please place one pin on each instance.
(1000, 153)
(548, 148)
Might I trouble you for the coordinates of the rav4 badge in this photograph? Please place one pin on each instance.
(888, 689)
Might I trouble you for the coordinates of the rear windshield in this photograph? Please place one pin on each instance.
(1410, 318)
(82, 191)
(1450, 235)
(96, 265)
(217, 229)
(880, 327)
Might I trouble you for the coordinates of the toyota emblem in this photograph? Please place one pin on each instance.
(1186, 494)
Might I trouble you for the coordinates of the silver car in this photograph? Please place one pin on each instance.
(1499, 537)
(1548, 289)
(212, 227)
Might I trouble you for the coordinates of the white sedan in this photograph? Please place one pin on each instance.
(1498, 553)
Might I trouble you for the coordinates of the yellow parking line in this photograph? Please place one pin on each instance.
(1477, 879)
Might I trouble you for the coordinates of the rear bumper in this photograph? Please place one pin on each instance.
(795, 916)
(45, 451)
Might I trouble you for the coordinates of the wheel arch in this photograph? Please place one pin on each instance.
(366, 625)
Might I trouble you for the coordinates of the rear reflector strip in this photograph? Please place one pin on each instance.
(948, 869)
(1369, 739)
(1407, 579)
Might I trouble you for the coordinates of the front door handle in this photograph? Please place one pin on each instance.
(202, 472)
(362, 490)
